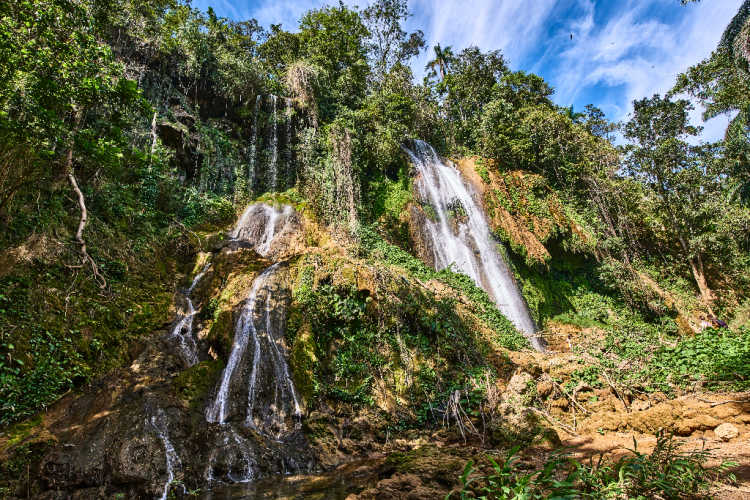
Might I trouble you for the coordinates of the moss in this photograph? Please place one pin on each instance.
(22, 465)
(220, 333)
(303, 362)
(66, 331)
(20, 431)
(193, 384)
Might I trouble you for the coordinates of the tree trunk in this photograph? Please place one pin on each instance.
(696, 266)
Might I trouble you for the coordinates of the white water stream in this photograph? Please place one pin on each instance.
(461, 236)
(253, 146)
(244, 329)
(183, 328)
(260, 223)
(159, 423)
(274, 147)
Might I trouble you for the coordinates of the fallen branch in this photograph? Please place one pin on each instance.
(718, 403)
(614, 389)
(554, 421)
(568, 396)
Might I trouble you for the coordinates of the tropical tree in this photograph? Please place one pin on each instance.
(441, 63)
(388, 43)
(676, 177)
(63, 98)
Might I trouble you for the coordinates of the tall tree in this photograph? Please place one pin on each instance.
(440, 64)
(334, 39)
(674, 174)
(389, 44)
(62, 94)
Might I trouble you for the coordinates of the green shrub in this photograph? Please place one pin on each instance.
(664, 473)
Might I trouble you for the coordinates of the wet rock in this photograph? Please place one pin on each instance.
(726, 431)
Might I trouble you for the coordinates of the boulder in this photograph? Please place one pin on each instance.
(726, 431)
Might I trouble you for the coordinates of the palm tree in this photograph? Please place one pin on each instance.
(441, 63)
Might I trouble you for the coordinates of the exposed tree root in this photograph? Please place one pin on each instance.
(82, 225)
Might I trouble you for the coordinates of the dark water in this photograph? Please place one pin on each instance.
(334, 485)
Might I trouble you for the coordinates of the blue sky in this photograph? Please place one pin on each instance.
(621, 49)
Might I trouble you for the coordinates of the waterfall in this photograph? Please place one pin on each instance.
(236, 453)
(274, 147)
(283, 385)
(244, 328)
(259, 224)
(183, 327)
(253, 146)
(269, 373)
(461, 237)
(289, 152)
(159, 423)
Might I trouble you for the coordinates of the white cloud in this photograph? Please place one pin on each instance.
(641, 55)
(509, 25)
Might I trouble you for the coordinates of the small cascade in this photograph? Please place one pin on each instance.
(461, 237)
(183, 327)
(255, 405)
(244, 329)
(232, 455)
(159, 424)
(260, 224)
(289, 150)
(253, 146)
(283, 387)
(272, 401)
(273, 167)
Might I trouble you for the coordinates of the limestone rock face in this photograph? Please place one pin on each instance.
(726, 431)
(145, 430)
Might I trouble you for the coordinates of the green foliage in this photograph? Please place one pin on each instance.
(588, 375)
(718, 358)
(381, 251)
(407, 336)
(193, 384)
(664, 473)
(53, 340)
(333, 38)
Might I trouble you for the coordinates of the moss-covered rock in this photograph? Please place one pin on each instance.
(193, 384)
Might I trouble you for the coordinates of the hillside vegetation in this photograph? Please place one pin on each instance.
(134, 132)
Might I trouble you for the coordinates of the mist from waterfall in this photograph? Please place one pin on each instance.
(461, 238)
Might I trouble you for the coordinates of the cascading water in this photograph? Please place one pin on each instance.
(460, 236)
(244, 329)
(260, 224)
(285, 398)
(253, 146)
(272, 168)
(289, 153)
(183, 327)
(256, 402)
(159, 424)
(269, 373)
